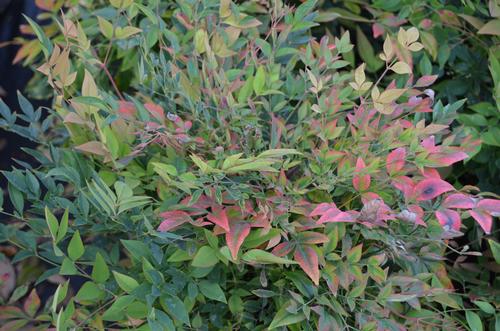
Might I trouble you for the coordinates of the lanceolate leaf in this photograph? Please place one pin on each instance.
(307, 258)
(283, 317)
(235, 237)
(173, 219)
(361, 180)
(263, 257)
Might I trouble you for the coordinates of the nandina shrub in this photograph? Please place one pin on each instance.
(247, 179)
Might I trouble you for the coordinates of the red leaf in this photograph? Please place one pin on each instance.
(458, 200)
(282, 249)
(396, 160)
(359, 181)
(155, 110)
(126, 108)
(173, 219)
(307, 258)
(430, 188)
(32, 303)
(484, 219)
(490, 205)
(236, 236)
(449, 219)
(219, 217)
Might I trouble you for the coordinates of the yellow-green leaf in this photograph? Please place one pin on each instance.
(75, 247)
(105, 27)
(126, 283)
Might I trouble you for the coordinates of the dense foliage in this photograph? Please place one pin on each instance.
(215, 166)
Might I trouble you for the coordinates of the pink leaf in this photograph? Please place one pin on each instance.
(429, 144)
(126, 108)
(359, 181)
(444, 160)
(449, 219)
(219, 217)
(322, 208)
(484, 219)
(235, 237)
(307, 258)
(425, 81)
(419, 212)
(332, 217)
(377, 30)
(155, 110)
(430, 188)
(492, 206)
(404, 184)
(32, 303)
(459, 201)
(396, 160)
(431, 173)
(173, 219)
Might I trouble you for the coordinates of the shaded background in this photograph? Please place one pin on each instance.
(13, 77)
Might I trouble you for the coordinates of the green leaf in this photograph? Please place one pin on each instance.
(117, 309)
(46, 44)
(59, 295)
(52, 223)
(354, 254)
(263, 257)
(259, 81)
(205, 257)
(366, 52)
(485, 307)
(26, 106)
(176, 308)
(105, 27)
(495, 249)
(16, 197)
(18, 293)
(473, 320)
(235, 304)
(137, 249)
(68, 267)
(283, 317)
(100, 271)
(179, 256)
(126, 283)
(63, 227)
(90, 291)
(212, 291)
(75, 247)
